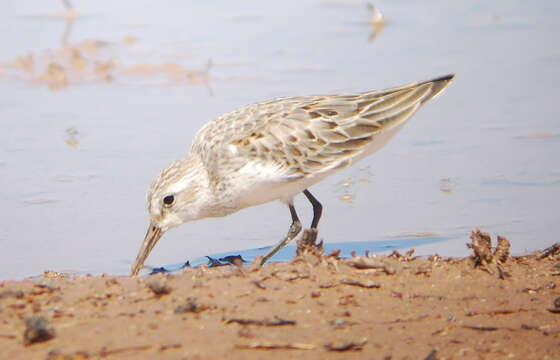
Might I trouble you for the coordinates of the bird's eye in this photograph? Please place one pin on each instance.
(168, 200)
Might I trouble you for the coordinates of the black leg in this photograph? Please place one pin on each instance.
(293, 213)
(317, 208)
(295, 228)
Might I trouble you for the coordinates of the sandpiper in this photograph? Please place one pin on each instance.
(275, 150)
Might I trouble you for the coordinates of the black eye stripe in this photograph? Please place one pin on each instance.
(169, 199)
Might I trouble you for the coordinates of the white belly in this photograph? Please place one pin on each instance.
(258, 183)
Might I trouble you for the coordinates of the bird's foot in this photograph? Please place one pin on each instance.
(307, 244)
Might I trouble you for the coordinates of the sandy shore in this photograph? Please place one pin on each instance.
(374, 307)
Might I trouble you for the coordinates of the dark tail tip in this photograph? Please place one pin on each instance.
(438, 84)
(447, 77)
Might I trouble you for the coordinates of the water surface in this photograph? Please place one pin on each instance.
(93, 106)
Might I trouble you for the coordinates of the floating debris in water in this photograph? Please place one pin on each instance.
(24, 62)
(226, 260)
(377, 20)
(40, 201)
(71, 137)
(164, 270)
(92, 60)
(537, 136)
(212, 262)
(233, 259)
(446, 185)
(346, 187)
(347, 198)
(55, 77)
(345, 183)
(159, 270)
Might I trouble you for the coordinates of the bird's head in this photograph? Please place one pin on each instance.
(177, 195)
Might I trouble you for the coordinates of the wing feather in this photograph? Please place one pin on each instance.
(306, 135)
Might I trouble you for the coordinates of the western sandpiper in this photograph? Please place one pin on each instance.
(275, 150)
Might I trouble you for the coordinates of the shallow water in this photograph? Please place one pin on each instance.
(287, 253)
(109, 97)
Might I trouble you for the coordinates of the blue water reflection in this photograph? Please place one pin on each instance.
(288, 252)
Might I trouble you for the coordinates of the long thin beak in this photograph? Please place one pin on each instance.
(152, 237)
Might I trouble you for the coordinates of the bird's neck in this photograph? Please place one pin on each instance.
(217, 199)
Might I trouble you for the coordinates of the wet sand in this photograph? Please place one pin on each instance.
(487, 306)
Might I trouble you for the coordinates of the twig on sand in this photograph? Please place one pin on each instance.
(368, 284)
(276, 346)
(346, 345)
(275, 322)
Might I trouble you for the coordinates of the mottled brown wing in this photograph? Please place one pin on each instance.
(304, 135)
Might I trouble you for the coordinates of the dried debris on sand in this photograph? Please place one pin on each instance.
(482, 247)
(37, 329)
(490, 305)
(483, 255)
